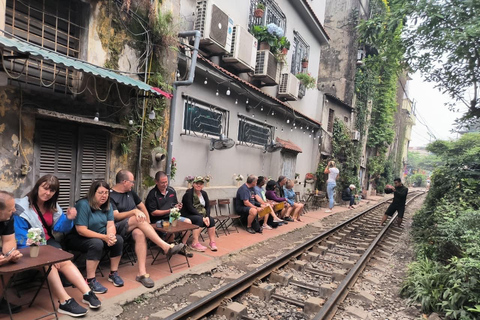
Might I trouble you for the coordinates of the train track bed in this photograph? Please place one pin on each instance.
(295, 290)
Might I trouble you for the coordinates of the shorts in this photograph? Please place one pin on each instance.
(243, 211)
(122, 227)
(392, 208)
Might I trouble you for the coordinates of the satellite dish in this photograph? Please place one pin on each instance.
(222, 143)
(272, 147)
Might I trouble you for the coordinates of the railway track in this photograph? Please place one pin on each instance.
(307, 282)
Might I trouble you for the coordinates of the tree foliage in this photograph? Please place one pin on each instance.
(443, 42)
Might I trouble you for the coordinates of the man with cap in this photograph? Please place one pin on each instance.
(347, 195)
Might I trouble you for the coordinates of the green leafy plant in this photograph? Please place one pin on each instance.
(307, 80)
(260, 6)
(174, 214)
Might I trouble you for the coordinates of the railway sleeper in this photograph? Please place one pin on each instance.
(357, 250)
(310, 256)
(319, 249)
(282, 278)
(233, 311)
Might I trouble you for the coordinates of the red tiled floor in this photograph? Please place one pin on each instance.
(226, 244)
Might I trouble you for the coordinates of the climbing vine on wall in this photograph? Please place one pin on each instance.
(376, 81)
(347, 154)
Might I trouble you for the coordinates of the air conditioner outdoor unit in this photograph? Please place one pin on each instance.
(243, 52)
(266, 68)
(355, 135)
(288, 86)
(215, 26)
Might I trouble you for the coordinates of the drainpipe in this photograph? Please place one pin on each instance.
(176, 84)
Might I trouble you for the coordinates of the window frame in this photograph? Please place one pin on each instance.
(224, 121)
(300, 49)
(331, 120)
(259, 124)
(273, 13)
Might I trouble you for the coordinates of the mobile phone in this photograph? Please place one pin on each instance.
(9, 252)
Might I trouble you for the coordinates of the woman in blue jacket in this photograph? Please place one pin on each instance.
(39, 209)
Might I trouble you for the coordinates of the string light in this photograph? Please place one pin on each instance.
(206, 81)
(307, 127)
(228, 91)
(303, 131)
(178, 74)
(217, 93)
(151, 115)
(291, 129)
(130, 122)
(246, 101)
(236, 101)
(253, 115)
(309, 135)
(282, 129)
(288, 120)
(261, 108)
(97, 115)
(273, 113)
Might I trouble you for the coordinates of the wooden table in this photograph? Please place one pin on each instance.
(315, 200)
(181, 229)
(47, 257)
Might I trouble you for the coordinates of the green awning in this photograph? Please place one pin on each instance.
(69, 62)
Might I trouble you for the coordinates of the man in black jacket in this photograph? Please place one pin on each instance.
(398, 204)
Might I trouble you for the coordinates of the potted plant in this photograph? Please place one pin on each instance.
(189, 180)
(35, 240)
(238, 178)
(174, 216)
(268, 36)
(207, 180)
(310, 178)
(304, 62)
(284, 45)
(307, 80)
(259, 11)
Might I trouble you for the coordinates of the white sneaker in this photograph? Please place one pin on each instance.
(328, 211)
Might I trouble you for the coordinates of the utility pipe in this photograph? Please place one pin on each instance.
(176, 84)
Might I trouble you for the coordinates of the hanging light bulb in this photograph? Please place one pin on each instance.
(130, 122)
(228, 91)
(178, 74)
(217, 93)
(206, 81)
(301, 127)
(261, 108)
(246, 101)
(97, 115)
(303, 131)
(253, 115)
(307, 127)
(294, 124)
(151, 115)
(282, 129)
(312, 130)
(288, 120)
(291, 129)
(236, 101)
(309, 135)
(273, 113)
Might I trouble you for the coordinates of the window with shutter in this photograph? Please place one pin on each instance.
(92, 161)
(74, 154)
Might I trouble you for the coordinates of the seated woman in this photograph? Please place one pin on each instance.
(290, 196)
(196, 207)
(271, 195)
(39, 209)
(348, 196)
(94, 232)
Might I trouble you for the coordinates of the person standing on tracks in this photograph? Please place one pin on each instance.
(332, 172)
(398, 204)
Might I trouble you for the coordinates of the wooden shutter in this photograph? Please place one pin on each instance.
(289, 164)
(56, 154)
(92, 160)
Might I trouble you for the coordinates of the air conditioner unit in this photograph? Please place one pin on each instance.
(215, 26)
(266, 69)
(288, 86)
(243, 52)
(355, 135)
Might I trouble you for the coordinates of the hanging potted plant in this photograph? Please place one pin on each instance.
(284, 45)
(304, 62)
(307, 80)
(189, 180)
(259, 11)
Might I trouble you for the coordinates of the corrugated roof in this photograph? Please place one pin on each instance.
(228, 73)
(289, 145)
(69, 62)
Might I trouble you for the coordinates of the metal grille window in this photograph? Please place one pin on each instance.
(250, 132)
(207, 121)
(300, 50)
(51, 24)
(273, 14)
(331, 117)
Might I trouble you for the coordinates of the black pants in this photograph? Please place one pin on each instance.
(94, 247)
(352, 200)
(198, 220)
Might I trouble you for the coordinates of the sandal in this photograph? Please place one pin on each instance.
(267, 227)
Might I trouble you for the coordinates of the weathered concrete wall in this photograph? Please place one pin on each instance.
(338, 60)
(15, 153)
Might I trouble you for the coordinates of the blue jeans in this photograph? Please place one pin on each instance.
(330, 187)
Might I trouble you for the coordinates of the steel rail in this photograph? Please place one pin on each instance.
(210, 302)
(330, 307)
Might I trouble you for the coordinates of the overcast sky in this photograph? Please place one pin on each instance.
(430, 109)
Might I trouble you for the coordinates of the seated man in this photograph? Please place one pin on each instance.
(347, 195)
(131, 217)
(160, 200)
(245, 204)
(9, 253)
